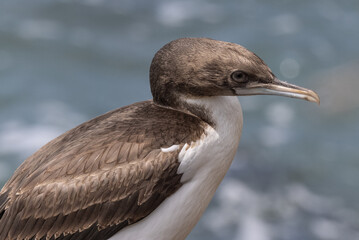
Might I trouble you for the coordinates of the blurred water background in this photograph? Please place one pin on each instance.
(296, 174)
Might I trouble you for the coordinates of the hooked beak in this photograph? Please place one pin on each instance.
(279, 88)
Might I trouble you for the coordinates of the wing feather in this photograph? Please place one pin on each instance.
(97, 178)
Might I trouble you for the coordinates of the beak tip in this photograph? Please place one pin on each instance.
(314, 97)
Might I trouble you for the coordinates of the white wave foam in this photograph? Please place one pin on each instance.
(21, 138)
(293, 212)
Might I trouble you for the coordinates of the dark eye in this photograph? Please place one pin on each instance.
(239, 76)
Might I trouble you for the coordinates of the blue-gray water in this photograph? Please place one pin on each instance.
(296, 174)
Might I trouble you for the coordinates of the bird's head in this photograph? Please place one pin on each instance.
(195, 67)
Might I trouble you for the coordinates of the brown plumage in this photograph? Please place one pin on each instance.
(99, 177)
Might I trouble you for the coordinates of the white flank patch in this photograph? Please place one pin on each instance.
(203, 164)
(170, 149)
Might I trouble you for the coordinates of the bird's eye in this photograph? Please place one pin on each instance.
(239, 76)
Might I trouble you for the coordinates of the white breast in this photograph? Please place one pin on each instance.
(203, 164)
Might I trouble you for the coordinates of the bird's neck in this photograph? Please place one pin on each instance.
(217, 111)
(210, 109)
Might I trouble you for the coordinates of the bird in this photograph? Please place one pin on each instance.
(145, 171)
